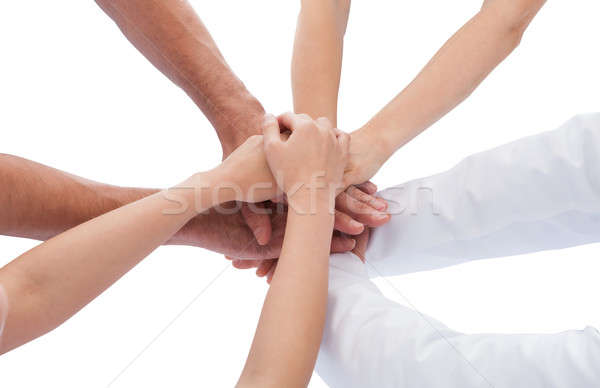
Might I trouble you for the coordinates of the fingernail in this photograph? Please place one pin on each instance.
(260, 238)
(353, 244)
(380, 204)
(356, 224)
(381, 217)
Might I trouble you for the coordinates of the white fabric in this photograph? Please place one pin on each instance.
(537, 193)
(541, 192)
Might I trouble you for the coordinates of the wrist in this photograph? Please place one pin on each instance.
(379, 144)
(242, 116)
(203, 191)
(310, 201)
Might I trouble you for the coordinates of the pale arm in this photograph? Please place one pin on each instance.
(48, 284)
(450, 76)
(289, 332)
(51, 282)
(317, 58)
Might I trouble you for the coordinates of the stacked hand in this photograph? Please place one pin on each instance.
(357, 209)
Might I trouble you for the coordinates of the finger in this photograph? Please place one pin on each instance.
(341, 243)
(271, 273)
(289, 120)
(344, 141)
(337, 131)
(271, 131)
(245, 264)
(368, 187)
(303, 117)
(324, 122)
(360, 211)
(260, 224)
(362, 241)
(344, 223)
(265, 267)
(375, 202)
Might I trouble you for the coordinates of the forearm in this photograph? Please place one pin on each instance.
(317, 58)
(454, 72)
(40, 202)
(48, 284)
(171, 36)
(289, 332)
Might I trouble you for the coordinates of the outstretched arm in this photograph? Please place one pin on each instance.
(316, 69)
(48, 284)
(317, 58)
(451, 76)
(39, 202)
(289, 331)
(171, 36)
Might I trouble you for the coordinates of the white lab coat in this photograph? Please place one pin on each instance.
(541, 192)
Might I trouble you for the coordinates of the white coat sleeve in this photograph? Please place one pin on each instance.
(540, 192)
(371, 341)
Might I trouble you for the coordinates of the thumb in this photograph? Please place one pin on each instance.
(260, 224)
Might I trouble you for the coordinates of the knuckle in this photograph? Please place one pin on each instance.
(324, 121)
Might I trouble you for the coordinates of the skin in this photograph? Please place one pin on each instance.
(451, 75)
(174, 39)
(48, 284)
(455, 71)
(43, 202)
(288, 335)
(316, 71)
(317, 57)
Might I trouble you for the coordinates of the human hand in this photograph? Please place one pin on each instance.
(247, 173)
(367, 155)
(357, 208)
(267, 267)
(311, 161)
(228, 234)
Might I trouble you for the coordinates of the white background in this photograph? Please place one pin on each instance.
(74, 94)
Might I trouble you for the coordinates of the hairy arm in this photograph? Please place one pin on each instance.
(171, 36)
(40, 202)
(451, 75)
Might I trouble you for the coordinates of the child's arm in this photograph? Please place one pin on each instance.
(289, 332)
(450, 77)
(317, 58)
(48, 284)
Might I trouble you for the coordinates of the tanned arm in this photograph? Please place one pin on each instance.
(170, 34)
